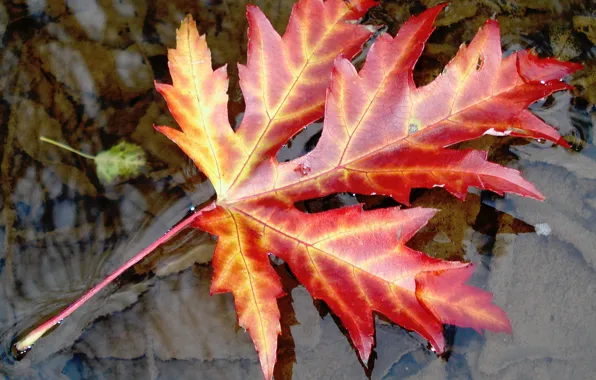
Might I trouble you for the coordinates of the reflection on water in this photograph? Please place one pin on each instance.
(82, 71)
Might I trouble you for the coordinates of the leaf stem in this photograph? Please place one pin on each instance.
(23, 345)
(64, 146)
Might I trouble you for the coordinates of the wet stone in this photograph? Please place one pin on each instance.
(548, 293)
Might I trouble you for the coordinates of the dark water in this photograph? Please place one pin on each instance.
(81, 72)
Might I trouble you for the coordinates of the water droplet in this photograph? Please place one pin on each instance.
(19, 354)
(542, 82)
(541, 141)
(192, 208)
(413, 128)
(302, 169)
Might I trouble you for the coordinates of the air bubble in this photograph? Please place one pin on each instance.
(19, 354)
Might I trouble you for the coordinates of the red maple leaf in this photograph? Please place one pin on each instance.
(381, 135)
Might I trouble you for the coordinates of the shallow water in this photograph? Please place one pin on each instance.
(82, 71)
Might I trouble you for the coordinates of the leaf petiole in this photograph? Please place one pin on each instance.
(23, 345)
(64, 146)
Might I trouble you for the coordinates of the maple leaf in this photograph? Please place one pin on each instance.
(381, 135)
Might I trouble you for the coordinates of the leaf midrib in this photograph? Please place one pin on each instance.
(199, 103)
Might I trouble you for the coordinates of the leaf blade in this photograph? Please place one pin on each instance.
(198, 101)
(248, 275)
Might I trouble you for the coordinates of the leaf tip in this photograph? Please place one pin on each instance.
(188, 19)
(429, 212)
(537, 195)
(492, 23)
(439, 7)
(531, 68)
(187, 24)
(427, 18)
(254, 14)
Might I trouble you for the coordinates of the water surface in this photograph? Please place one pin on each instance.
(82, 72)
